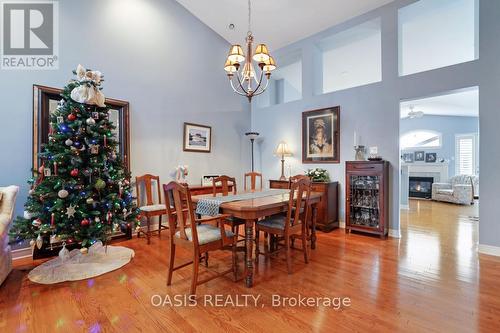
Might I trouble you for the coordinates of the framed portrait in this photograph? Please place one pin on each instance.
(197, 138)
(45, 101)
(321, 136)
(419, 156)
(407, 157)
(430, 157)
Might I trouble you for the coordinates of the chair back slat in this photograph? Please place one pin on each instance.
(180, 210)
(224, 182)
(253, 180)
(147, 182)
(300, 191)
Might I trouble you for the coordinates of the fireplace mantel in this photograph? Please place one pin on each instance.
(439, 171)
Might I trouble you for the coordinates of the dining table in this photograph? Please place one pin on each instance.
(267, 203)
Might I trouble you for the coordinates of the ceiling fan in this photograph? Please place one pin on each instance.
(412, 114)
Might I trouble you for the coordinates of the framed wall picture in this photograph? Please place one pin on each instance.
(197, 138)
(419, 156)
(431, 157)
(45, 101)
(321, 136)
(407, 157)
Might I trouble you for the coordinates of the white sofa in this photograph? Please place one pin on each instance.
(460, 190)
(7, 203)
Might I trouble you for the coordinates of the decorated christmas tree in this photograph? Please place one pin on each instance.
(81, 192)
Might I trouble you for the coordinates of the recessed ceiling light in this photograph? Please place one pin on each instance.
(231, 26)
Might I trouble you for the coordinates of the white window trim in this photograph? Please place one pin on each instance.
(474, 152)
(439, 134)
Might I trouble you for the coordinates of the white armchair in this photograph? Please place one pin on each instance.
(7, 203)
(460, 190)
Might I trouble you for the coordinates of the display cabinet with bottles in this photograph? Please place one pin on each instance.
(367, 197)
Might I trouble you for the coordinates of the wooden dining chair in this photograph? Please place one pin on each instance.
(287, 226)
(195, 234)
(149, 209)
(222, 185)
(253, 180)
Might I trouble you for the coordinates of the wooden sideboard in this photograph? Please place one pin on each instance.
(205, 189)
(328, 212)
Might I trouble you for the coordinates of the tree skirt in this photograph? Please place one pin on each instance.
(78, 266)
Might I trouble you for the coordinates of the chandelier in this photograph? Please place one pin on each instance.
(240, 69)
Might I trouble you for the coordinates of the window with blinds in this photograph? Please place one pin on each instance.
(465, 157)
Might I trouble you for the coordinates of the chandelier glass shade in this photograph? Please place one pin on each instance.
(241, 70)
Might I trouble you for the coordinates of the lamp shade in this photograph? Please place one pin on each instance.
(236, 54)
(261, 53)
(252, 135)
(283, 149)
(269, 65)
(229, 66)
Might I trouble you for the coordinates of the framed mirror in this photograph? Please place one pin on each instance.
(45, 100)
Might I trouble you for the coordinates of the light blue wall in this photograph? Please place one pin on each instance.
(373, 110)
(156, 55)
(448, 126)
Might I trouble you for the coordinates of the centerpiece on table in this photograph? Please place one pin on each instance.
(318, 175)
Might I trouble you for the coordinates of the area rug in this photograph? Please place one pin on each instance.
(99, 260)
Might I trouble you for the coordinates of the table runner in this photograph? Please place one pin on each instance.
(210, 206)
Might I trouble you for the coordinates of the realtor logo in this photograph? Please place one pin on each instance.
(30, 38)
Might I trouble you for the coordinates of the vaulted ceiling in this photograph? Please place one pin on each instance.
(276, 22)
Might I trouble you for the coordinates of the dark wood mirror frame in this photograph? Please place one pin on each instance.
(42, 96)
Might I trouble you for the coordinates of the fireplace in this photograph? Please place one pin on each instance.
(421, 187)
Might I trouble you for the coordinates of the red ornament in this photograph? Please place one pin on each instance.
(85, 222)
(74, 173)
(71, 117)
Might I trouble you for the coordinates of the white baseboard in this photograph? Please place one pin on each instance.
(394, 233)
(489, 249)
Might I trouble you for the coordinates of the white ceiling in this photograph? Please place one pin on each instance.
(276, 23)
(463, 103)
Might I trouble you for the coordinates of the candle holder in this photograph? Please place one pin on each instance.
(360, 153)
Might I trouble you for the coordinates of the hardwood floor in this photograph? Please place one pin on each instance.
(432, 279)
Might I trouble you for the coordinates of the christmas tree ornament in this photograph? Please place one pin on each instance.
(71, 117)
(97, 219)
(54, 239)
(90, 121)
(68, 142)
(27, 215)
(55, 168)
(74, 173)
(89, 201)
(39, 242)
(94, 149)
(84, 250)
(62, 194)
(64, 253)
(37, 223)
(84, 222)
(77, 144)
(70, 211)
(95, 115)
(60, 120)
(52, 220)
(32, 243)
(100, 184)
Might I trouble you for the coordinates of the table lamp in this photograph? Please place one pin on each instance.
(282, 150)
